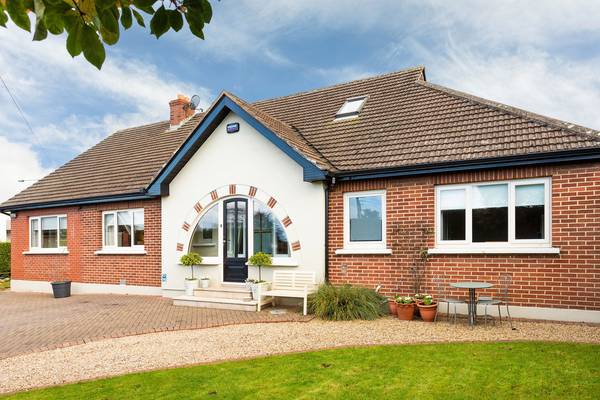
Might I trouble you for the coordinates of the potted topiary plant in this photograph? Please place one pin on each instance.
(259, 260)
(204, 282)
(427, 308)
(190, 260)
(405, 307)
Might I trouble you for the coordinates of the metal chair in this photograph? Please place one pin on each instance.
(440, 284)
(503, 287)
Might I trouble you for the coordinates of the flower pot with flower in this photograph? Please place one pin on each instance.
(428, 308)
(189, 260)
(405, 307)
(392, 305)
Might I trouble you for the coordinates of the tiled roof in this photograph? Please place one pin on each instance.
(405, 121)
(123, 163)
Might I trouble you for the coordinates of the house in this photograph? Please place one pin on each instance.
(356, 182)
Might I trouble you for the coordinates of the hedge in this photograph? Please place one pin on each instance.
(4, 258)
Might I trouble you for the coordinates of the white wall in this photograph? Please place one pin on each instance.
(245, 158)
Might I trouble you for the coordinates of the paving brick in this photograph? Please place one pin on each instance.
(33, 322)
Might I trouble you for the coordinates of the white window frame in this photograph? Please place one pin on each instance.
(39, 248)
(365, 247)
(513, 244)
(133, 249)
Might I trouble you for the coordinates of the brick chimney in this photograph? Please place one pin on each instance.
(180, 110)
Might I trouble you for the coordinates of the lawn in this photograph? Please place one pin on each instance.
(449, 371)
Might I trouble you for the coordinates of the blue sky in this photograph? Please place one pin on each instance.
(539, 55)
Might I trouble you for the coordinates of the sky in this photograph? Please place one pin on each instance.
(543, 56)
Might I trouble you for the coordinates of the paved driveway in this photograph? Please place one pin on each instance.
(35, 322)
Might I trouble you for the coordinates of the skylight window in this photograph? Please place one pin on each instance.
(351, 108)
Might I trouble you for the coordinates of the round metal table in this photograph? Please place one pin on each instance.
(472, 303)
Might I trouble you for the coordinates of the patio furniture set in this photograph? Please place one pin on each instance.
(441, 286)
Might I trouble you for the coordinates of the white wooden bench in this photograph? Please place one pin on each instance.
(291, 284)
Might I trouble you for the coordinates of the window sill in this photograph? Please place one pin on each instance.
(119, 252)
(46, 251)
(492, 250)
(280, 263)
(363, 251)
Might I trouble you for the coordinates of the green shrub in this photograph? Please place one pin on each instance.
(4, 258)
(344, 303)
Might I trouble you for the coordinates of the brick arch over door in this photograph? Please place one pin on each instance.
(198, 209)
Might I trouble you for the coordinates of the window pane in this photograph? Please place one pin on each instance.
(490, 213)
(269, 234)
(241, 229)
(206, 234)
(453, 222)
(124, 229)
(281, 241)
(230, 223)
(529, 211)
(109, 229)
(62, 232)
(263, 229)
(138, 228)
(365, 218)
(34, 234)
(49, 232)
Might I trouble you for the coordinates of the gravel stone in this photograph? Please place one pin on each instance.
(177, 348)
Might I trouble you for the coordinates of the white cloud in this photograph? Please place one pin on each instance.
(17, 161)
(48, 82)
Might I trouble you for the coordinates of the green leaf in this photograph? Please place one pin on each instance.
(93, 49)
(71, 19)
(196, 24)
(175, 20)
(143, 3)
(40, 30)
(17, 12)
(109, 27)
(40, 8)
(102, 5)
(206, 11)
(159, 24)
(126, 20)
(74, 38)
(138, 18)
(53, 21)
(3, 18)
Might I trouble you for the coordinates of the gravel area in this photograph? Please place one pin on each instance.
(169, 349)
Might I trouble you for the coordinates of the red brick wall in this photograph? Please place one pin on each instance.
(84, 238)
(568, 280)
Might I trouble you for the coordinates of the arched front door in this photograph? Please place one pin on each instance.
(235, 240)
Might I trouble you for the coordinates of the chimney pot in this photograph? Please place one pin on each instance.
(180, 109)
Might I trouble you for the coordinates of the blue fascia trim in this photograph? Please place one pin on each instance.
(76, 202)
(505, 162)
(160, 185)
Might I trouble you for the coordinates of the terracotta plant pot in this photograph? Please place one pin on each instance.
(393, 306)
(427, 312)
(406, 312)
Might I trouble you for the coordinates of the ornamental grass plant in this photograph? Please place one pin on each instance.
(346, 302)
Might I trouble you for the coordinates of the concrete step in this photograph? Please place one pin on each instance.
(225, 292)
(220, 303)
